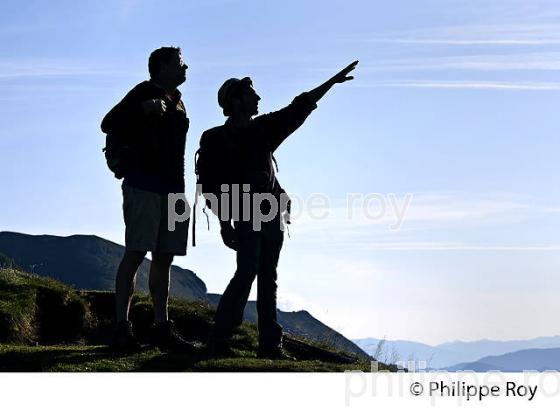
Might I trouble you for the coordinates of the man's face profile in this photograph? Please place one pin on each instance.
(175, 70)
(249, 100)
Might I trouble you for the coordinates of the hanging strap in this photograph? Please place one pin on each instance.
(198, 193)
(194, 216)
(275, 162)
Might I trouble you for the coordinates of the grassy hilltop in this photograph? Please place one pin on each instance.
(46, 325)
(88, 262)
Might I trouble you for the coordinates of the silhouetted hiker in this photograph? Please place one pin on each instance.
(146, 135)
(239, 153)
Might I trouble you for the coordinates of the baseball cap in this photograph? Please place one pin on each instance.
(230, 88)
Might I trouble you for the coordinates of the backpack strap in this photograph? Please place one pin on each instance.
(275, 162)
(194, 216)
(197, 192)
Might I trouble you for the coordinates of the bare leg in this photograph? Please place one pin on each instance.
(159, 284)
(125, 282)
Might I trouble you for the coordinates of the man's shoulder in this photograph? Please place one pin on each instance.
(141, 91)
(212, 136)
(264, 121)
(146, 84)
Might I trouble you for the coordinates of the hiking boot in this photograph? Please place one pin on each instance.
(124, 339)
(167, 337)
(274, 353)
(219, 348)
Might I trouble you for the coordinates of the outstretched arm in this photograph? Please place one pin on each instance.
(282, 123)
(342, 76)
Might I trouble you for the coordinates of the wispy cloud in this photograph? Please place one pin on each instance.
(454, 246)
(496, 35)
(127, 8)
(431, 208)
(434, 222)
(475, 85)
(549, 61)
(494, 42)
(291, 302)
(27, 68)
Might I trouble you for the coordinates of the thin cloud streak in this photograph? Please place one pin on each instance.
(432, 208)
(482, 62)
(475, 35)
(431, 216)
(444, 246)
(13, 69)
(473, 85)
(451, 42)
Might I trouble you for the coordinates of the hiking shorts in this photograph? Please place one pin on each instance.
(145, 218)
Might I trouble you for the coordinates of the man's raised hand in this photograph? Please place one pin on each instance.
(342, 76)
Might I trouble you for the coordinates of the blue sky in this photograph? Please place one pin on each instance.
(453, 102)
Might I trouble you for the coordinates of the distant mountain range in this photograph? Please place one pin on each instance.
(447, 355)
(90, 262)
(522, 360)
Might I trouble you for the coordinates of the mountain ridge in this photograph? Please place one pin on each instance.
(447, 354)
(89, 262)
(518, 361)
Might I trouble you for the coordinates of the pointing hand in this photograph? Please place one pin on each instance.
(342, 76)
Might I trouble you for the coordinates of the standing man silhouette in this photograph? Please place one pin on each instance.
(240, 153)
(152, 124)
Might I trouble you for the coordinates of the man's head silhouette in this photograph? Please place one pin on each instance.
(237, 97)
(166, 67)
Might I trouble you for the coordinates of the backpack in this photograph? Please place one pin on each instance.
(118, 155)
(209, 177)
